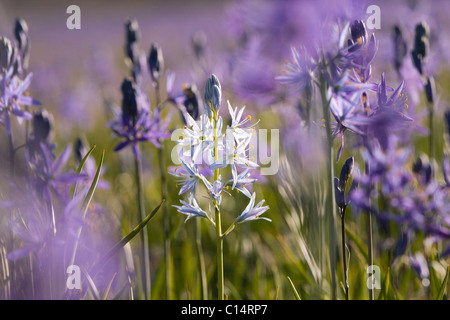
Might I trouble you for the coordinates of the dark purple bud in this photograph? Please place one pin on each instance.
(400, 47)
(132, 35)
(447, 122)
(132, 31)
(41, 126)
(191, 100)
(421, 39)
(80, 150)
(430, 89)
(417, 61)
(422, 30)
(422, 167)
(446, 170)
(155, 62)
(358, 32)
(339, 194)
(346, 172)
(7, 54)
(198, 41)
(129, 103)
(21, 34)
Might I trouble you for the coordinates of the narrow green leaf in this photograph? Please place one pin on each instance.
(80, 167)
(92, 286)
(105, 294)
(276, 293)
(297, 296)
(90, 194)
(83, 161)
(386, 286)
(359, 244)
(124, 241)
(440, 295)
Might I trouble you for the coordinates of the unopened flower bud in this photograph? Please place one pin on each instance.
(447, 122)
(213, 95)
(400, 47)
(132, 35)
(155, 62)
(430, 89)
(129, 103)
(358, 31)
(339, 194)
(6, 54)
(423, 168)
(191, 101)
(41, 126)
(346, 172)
(21, 34)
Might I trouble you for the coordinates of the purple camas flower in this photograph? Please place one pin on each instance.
(411, 198)
(135, 122)
(13, 90)
(300, 72)
(388, 115)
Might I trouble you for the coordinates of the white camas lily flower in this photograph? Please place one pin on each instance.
(252, 212)
(204, 140)
(191, 209)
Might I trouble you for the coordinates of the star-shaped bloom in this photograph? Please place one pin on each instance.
(252, 212)
(191, 209)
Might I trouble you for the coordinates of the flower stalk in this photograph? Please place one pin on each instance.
(330, 176)
(144, 235)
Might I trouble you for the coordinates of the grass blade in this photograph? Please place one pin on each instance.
(440, 295)
(124, 241)
(92, 286)
(83, 161)
(297, 296)
(105, 294)
(90, 194)
(86, 202)
(386, 286)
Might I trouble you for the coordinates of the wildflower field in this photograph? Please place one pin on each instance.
(211, 150)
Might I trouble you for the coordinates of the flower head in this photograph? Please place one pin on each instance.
(135, 124)
(252, 212)
(191, 209)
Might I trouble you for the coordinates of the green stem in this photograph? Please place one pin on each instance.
(201, 260)
(344, 254)
(166, 222)
(145, 247)
(219, 236)
(369, 237)
(166, 218)
(331, 209)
